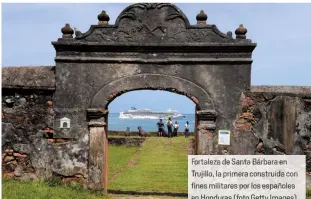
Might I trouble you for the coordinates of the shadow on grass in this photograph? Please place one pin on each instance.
(147, 193)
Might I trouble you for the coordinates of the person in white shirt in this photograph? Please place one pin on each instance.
(187, 126)
(176, 126)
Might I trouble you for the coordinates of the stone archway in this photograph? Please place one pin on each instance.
(150, 46)
(98, 115)
(153, 82)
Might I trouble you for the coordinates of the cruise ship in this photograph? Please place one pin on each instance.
(149, 114)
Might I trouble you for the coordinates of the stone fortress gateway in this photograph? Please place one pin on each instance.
(150, 46)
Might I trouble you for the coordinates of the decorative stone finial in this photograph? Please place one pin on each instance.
(240, 32)
(229, 33)
(103, 18)
(201, 18)
(77, 32)
(67, 31)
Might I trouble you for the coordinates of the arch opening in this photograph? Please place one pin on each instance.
(147, 106)
(114, 96)
(99, 114)
(164, 150)
(152, 82)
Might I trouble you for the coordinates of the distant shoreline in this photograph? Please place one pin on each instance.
(135, 133)
(117, 124)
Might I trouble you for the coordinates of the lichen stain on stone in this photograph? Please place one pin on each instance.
(95, 174)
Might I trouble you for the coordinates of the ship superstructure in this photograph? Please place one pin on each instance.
(149, 114)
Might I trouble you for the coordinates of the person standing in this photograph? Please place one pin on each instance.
(141, 132)
(169, 125)
(187, 126)
(160, 128)
(176, 126)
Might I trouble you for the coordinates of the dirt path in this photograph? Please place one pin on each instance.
(131, 162)
(158, 166)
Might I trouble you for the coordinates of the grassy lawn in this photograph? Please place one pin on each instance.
(12, 189)
(118, 156)
(40, 190)
(160, 166)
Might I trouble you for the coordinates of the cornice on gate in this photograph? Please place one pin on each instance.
(157, 26)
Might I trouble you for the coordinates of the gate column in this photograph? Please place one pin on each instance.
(98, 151)
(205, 131)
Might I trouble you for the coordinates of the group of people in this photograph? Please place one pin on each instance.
(171, 129)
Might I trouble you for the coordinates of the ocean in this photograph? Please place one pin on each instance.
(117, 124)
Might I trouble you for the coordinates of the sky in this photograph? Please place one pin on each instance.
(282, 33)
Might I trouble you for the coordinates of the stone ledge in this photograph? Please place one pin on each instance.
(126, 141)
(27, 87)
(281, 89)
(97, 124)
(158, 61)
(29, 77)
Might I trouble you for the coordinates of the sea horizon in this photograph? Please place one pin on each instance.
(117, 124)
(155, 110)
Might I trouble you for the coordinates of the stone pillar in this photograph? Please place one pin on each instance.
(195, 147)
(205, 131)
(98, 152)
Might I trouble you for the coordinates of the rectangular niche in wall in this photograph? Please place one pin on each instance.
(65, 123)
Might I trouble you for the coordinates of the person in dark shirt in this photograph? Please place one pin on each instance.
(187, 126)
(160, 128)
(169, 125)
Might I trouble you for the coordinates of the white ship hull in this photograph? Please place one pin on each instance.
(148, 117)
(148, 114)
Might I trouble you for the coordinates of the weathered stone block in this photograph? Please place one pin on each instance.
(28, 176)
(18, 171)
(22, 148)
(70, 158)
(8, 133)
(8, 158)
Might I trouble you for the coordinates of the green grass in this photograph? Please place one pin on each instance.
(160, 166)
(122, 136)
(118, 156)
(12, 189)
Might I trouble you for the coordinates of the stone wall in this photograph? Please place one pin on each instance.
(274, 120)
(136, 142)
(28, 77)
(31, 149)
(25, 116)
(270, 120)
(27, 121)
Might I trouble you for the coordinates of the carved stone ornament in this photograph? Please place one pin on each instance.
(154, 23)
